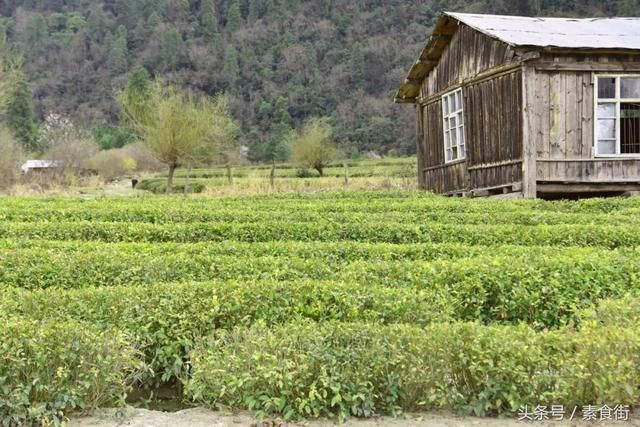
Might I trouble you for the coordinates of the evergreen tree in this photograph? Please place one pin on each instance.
(19, 116)
(97, 23)
(36, 33)
(356, 65)
(209, 19)
(231, 67)
(234, 18)
(119, 52)
(172, 49)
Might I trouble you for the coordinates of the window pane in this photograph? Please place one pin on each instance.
(454, 153)
(606, 111)
(462, 152)
(461, 135)
(460, 118)
(447, 140)
(629, 128)
(606, 147)
(630, 87)
(452, 122)
(454, 139)
(606, 87)
(459, 99)
(606, 129)
(448, 155)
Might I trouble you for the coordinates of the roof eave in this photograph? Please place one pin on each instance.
(443, 31)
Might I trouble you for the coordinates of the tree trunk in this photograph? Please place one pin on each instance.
(320, 170)
(346, 174)
(186, 180)
(229, 174)
(172, 169)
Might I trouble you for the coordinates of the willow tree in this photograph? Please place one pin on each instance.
(177, 127)
(313, 146)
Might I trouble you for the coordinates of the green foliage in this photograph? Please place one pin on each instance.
(177, 127)
(324, 57)
(119, 52)
(166, 320)
(172, 49)
(19, 116)
(108, 137)
(234, 19)
(319, 304)
(362, 369)
(313, 147)
(231, 68)
(159, 186)
(52, 368)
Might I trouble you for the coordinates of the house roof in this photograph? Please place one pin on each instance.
(520, 31)
(39, 164)
(590, 33)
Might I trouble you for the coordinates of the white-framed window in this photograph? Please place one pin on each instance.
(617, 113)
(453, 120)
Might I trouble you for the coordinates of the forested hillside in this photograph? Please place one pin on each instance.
(281, 61)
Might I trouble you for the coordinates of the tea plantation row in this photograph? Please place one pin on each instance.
(330, 304)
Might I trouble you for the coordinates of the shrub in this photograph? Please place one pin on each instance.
(165, 321)
(335, 369)
(112, 164)
(159, 186)
(50, 369)
(305, 173)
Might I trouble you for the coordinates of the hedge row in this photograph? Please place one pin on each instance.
(416, 205)
(543, 291)
(159, 186)
(293, 213)
(165, 321)
(67, 264)
(336, 369)
(52, 368)
(555, 235)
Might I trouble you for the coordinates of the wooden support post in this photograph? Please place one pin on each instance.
(346, 174)
(529, 148)
(229, 174)
(272, 176)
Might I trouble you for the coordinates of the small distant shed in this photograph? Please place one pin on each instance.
(530, 106)
(40, 166)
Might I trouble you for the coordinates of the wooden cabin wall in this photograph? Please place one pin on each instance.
(468, 54)
(493, 127)
(437, 176)
(561, 116)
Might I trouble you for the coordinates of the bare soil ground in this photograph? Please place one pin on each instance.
(200, 417)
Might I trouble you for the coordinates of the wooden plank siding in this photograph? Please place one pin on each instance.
(562, 123)
(529, 119)
(468, 54)
(493, 127)
(492, 120)
(436, 175)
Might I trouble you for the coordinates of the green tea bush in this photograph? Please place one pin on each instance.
(613, 236)
(52, 368)
(165, 321)
(336, 369)
(159, 186)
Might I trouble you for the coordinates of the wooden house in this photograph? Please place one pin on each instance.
(528, 106)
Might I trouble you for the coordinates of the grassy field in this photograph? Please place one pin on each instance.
(384, 174)
(323, 304)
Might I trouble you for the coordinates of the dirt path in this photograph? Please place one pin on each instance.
(199, 417)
